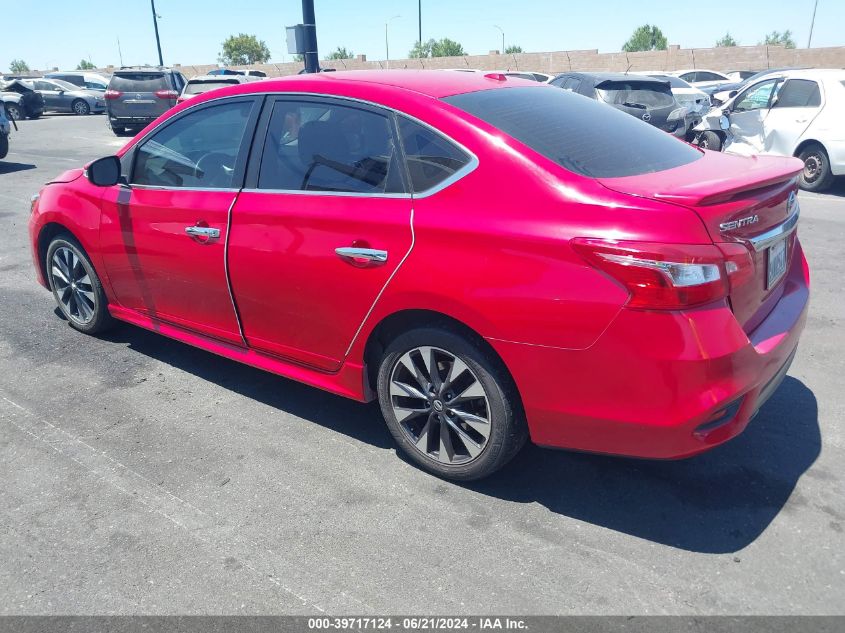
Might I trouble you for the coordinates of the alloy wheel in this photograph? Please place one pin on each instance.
(73, 286)
(441, 405)
(812, 167)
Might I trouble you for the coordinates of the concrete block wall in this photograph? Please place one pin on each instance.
(675, 58)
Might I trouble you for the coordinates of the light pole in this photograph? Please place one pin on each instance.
(419, 20)
(386, 43)
(155, 24)
(503, 38)
(812, 24)
(311, 58)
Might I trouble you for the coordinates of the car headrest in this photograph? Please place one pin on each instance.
(324, 138)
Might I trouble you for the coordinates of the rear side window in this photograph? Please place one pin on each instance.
(323, 147)
(198, 87)
(705, 76)
(689, 76)
(139, 82)
(579, 134)
(431, 159)
(197, 150)
(799, 93)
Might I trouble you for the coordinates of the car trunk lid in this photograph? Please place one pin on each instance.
(748, 201)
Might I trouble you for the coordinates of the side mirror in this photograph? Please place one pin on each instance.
(104, 172)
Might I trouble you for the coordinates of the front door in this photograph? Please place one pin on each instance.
(747, 115)
(164, 234)
(320, 228)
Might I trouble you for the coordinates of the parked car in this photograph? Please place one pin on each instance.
(204, 83)
(701, 78)
(741, 75)
(5, 132)
(82, 79)
(138, 96)
(790, 113)
(721, 93)
(624, 293)
(249, 72)
(645, 98)
(61, 96)
(692, 98)
(21, 101)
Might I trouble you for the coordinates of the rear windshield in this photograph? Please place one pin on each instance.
(138, 82)
(198, 87)
(579, 134)
(635, 94)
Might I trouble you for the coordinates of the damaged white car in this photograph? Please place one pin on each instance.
(792, 113)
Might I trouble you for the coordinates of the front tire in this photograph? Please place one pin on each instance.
(710, 140)
(14, 112)
(449, 404)
(80, 107)
(4, 145)
(816, 175)
(76, 286)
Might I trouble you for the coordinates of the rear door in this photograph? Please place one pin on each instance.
(796, 104)
(321, 226)
(50, 93)
(749, 110)
(163, 236)
(141, 94)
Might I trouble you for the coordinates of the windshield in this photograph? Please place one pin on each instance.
(198, 87)
(635, 94)
(578, 134)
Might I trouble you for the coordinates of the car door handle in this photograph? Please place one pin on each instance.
(358, 255)
(203, 231)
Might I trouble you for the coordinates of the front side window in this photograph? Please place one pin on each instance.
(756, 98)
(197, 150)
(689, 76)
(327, 147)
(799, 93)
(707, 76)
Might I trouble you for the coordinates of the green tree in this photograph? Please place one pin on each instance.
(340, 53)
(19, 66)
(726, 40)
(437, 48)
(646, 38)
(447, 48)
(299, 57)
(242, 49)
(421, 49)
(776, 38)
(510, 50)
(85, 65)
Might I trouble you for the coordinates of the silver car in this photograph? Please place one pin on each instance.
(61, 96)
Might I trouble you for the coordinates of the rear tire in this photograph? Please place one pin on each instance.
(710, 140)
(449, 404)
(816, 175)
(4, 145)
(76, 286)
(80, 107)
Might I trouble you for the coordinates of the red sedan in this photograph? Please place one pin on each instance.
(493, 259)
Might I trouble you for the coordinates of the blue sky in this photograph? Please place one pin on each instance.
(192, 30)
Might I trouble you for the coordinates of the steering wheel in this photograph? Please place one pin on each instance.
(213, 167)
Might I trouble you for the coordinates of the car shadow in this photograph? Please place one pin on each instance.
(10, 168)
(718, 502)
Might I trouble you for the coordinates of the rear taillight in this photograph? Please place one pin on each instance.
(112, 94)
(668, 276)
(166, 94)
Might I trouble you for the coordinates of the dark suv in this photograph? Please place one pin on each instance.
(644, 97)
(137, 96)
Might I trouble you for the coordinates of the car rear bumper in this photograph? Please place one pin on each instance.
(658, 384)
(131, 121)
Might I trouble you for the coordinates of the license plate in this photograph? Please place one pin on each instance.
(776, 263)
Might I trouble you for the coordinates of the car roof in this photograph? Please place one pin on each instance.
(431, 83)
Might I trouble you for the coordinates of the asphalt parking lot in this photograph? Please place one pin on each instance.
(141, 475)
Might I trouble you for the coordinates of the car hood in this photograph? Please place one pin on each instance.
(69, 176)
